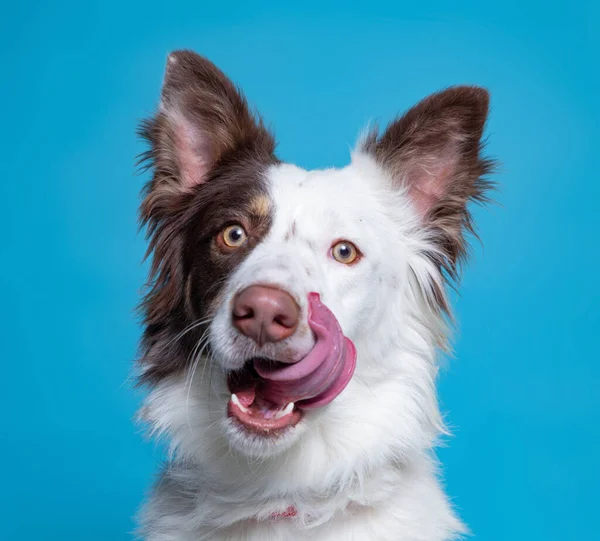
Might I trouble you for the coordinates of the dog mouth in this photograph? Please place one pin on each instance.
(249, 407)
(270, 396)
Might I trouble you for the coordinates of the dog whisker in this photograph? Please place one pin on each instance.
(190, 327)
(197, 354)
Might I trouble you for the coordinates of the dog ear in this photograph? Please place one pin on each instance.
(203, 121)
(433, 151)
(202, 117)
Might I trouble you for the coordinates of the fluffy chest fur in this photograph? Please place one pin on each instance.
(241, 243)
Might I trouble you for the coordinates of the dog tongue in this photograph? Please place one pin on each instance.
(322, 375)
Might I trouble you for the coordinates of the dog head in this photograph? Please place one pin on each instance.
(251, 255)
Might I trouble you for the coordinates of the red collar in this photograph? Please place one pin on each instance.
(290, 512)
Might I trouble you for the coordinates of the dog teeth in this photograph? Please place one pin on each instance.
(237, 402)
(285, 411)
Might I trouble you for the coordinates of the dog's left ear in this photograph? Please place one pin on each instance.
(434, 152)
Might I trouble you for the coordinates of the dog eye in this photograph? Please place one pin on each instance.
(345, 252)
(234, 236)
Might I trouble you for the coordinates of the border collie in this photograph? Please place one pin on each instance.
(293, 318)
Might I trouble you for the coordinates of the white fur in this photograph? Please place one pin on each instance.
(361, 468)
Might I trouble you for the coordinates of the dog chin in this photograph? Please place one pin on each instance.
(258, 445)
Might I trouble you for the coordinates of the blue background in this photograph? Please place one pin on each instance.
(522, 392)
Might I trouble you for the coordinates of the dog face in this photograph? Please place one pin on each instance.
(248, 251)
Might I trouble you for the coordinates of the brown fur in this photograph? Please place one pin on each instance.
(183, 218)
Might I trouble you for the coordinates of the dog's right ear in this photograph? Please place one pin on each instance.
(202, 117)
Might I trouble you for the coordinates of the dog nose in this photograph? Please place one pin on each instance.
(265, 314)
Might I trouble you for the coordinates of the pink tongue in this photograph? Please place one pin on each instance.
(322, 375)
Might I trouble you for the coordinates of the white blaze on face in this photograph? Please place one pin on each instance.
(316, 209)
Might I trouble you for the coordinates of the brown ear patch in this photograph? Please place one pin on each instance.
(209, 157)
(434, 152)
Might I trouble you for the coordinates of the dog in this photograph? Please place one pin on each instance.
(293, 318)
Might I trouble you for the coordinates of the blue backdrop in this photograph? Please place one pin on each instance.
(522, 392)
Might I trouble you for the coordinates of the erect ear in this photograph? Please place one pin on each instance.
(434, 152)
(202, 117)
(203, 123)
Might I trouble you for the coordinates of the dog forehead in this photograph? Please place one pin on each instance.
(317, 200)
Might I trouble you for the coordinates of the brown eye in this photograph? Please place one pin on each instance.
(234, 236)
(345, 252)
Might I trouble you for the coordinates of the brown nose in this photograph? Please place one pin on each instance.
(265, 314)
